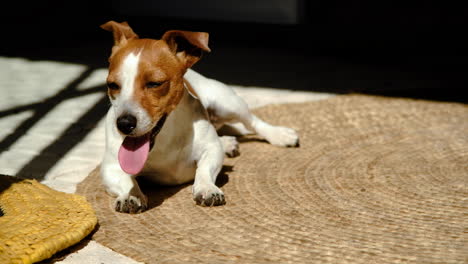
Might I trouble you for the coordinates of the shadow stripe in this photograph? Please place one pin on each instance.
(75, 133)
(35, 106)
(42, 110)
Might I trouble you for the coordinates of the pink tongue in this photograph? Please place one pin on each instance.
(133, 153)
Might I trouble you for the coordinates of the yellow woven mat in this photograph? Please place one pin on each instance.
(376, 180)
(37, 221)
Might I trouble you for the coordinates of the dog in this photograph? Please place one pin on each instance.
(164, 117)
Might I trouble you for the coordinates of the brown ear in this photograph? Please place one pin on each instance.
(121, 31)
(186, 45)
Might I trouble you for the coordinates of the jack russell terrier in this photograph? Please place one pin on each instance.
(164, 117)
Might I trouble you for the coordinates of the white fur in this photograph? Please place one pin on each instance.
(124, 103)
(231, 109)
(187, 147)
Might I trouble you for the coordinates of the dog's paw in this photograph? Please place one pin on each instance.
(208, 195)
(131, 203)
(283, 137)
(230, 145)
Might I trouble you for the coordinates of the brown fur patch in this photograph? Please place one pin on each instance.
(158, 65)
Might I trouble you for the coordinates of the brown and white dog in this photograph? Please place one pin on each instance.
(164, 117)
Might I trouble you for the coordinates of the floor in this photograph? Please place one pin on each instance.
(53, 96)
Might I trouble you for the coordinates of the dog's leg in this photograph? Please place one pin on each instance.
(234, 129)
(230, 146)
(225, 106)
(236, 114)
(275, 135)
(248, 123)
(205, 192)
(129, 198)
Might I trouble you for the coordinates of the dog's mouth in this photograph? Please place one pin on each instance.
(134, 151)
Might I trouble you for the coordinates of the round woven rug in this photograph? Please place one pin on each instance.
(375, 180)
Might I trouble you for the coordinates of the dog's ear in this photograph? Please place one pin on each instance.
(186, 45)
(122, 32)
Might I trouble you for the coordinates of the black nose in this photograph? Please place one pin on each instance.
(126, 124)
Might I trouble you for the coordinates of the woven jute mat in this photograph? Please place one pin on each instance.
(37, 221)
(375, 180)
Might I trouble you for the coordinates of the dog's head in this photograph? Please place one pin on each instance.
(145, 81)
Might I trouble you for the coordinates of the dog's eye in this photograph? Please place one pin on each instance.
(153, 84)
(113, 86)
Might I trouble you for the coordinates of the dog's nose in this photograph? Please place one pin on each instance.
(126, 124)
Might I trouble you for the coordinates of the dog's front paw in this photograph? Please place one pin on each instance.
(208, 195)
(131, 203)
(230, 145)
(283, 137)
